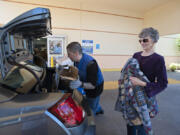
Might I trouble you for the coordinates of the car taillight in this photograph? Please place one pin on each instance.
(69, 112)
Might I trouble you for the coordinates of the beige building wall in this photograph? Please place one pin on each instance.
(116, 30)
(166, 19)
(167, 47)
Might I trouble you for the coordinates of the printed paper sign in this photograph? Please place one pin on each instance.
(55, 46)
(87, 46)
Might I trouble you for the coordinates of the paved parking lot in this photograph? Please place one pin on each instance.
(166, 123)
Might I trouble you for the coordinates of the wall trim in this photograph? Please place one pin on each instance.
(169, 37)
(110, 55)
(125, 55)
(112, 32)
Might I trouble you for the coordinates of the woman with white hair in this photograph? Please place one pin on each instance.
(153, 66)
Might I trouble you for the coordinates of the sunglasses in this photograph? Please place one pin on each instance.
(144, 40)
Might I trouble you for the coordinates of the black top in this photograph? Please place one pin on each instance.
(153, 66)
(92, 71)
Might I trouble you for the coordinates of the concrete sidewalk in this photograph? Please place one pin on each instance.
(165, 123)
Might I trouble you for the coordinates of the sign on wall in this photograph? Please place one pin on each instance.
(55, 45)
(87, 46)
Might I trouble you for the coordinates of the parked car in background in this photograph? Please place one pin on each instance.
(27, 106)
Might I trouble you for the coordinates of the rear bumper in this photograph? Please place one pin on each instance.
(91, 129)
(88, 127)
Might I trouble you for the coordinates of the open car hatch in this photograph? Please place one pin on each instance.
(32, 24)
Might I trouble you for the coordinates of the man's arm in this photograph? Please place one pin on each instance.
(91, 74)
(91, 77)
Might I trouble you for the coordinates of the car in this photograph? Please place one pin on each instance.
(28, 106)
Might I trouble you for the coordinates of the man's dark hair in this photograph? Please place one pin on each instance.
(74, 47)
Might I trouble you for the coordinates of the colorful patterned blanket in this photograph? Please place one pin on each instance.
(132, 101)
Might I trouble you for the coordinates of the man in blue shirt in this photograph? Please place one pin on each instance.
(90, 76)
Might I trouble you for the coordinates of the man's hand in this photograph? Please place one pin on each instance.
(75, 84)
(135, 81)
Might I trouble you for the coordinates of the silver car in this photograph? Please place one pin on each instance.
(27, 106)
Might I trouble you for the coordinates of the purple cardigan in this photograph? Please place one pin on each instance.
(153, 66)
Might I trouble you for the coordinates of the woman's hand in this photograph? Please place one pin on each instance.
(137, 82)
